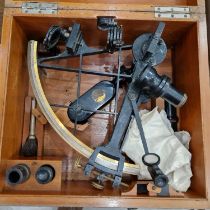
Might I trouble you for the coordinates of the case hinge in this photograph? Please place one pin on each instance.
(39, 8)
(172, 12)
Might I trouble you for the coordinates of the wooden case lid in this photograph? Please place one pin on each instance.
(140, 5)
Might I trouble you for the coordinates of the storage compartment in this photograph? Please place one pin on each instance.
(183, 64)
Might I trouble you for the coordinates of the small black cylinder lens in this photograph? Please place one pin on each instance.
(173, 96)
(45, 174)
(17, 174)
(160, 86)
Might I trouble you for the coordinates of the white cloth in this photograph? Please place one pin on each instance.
(172, 147)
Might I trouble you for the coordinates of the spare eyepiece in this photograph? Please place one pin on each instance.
(45, 174)
(17, 174)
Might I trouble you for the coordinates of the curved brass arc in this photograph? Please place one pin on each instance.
(62, 131)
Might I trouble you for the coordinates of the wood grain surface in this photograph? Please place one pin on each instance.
(1, 15)
(186, 61)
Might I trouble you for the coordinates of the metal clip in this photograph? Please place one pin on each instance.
(172, 12)
(39, 8)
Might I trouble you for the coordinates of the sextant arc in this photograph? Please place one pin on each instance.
(61, 130)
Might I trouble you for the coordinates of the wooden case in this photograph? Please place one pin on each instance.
(187, 63)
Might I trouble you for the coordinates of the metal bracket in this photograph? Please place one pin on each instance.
(39, 8)
(172, 12)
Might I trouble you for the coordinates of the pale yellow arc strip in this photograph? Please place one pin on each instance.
(62, 131)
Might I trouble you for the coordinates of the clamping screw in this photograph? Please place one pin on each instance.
(66, 34)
